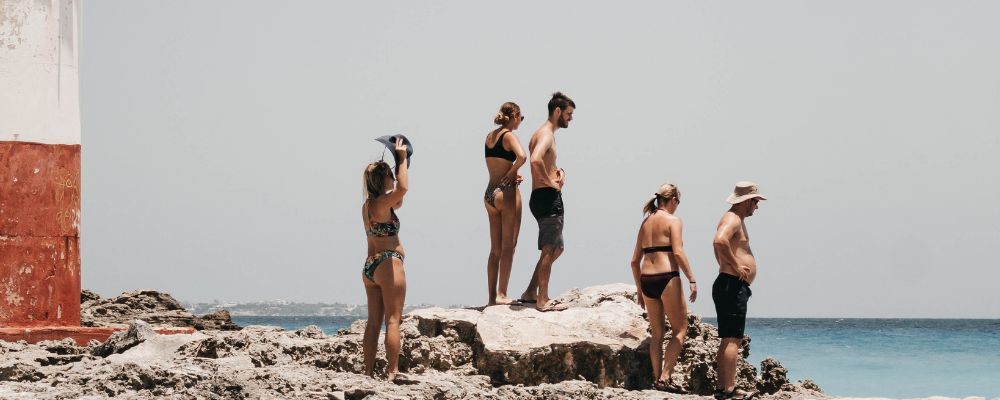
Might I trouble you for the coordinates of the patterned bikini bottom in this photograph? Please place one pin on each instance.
(491, 191)
(373, 262)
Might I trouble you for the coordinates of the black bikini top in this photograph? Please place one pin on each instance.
(654, 249)
(498, 151)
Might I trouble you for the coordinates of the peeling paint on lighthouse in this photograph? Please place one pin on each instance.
(39, 163)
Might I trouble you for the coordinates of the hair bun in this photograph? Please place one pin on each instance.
(500, 118)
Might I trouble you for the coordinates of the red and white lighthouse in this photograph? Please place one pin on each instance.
(39, 163)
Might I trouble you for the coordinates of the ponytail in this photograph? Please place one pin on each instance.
(667, 191)
(650, 205)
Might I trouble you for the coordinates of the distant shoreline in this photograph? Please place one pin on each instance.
(279, 308)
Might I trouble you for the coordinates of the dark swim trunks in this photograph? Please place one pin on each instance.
(731, 295)
(545, 202)
(547, 207)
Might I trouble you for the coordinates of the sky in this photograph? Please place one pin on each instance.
(223, 144)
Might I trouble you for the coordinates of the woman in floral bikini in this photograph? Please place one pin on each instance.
(383, 275)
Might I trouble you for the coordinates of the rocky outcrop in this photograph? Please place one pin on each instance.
(153, 307)
(596, 349)
(602, 337)
(219, 321)
(138, 331)
(773, 376)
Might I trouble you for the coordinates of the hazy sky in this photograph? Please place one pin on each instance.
(224, 141)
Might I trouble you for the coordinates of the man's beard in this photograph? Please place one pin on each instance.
(563, 123)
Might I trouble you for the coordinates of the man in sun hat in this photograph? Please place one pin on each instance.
(731, 290)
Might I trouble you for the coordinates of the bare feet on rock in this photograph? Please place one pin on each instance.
(502, 301)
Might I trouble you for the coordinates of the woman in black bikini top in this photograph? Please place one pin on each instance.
(658, 255)
(504, 156)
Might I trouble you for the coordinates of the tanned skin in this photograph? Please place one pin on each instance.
(388, 291)
(663, 228)
(505, 214)
(732, 251)
(545, 173)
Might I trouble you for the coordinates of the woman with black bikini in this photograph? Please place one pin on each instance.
(504, 156)
(656, 261)
(383, 275)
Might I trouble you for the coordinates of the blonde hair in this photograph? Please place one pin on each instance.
(507, 111)
(373, 180)
(667, 191)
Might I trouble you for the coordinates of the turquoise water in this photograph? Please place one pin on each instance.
(896, 358)
(330, 325)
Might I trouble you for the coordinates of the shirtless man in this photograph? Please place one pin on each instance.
(546, 197)
(731, 291)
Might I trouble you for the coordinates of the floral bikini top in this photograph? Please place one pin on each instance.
(383, 229)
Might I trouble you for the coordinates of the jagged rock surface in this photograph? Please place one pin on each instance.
(774, 376)
(595, 350)
(602, 337)
(156, 308)
(137, 332)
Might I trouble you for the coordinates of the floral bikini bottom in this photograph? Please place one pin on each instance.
(492, 191)
(373, 262)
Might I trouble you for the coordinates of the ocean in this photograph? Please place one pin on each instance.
(896, 358)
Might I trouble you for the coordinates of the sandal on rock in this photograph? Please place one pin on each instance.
(668, 386)
(404, 379)
(736, 394)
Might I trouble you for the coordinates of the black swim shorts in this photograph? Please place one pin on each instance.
(547, 207)
(545, 202)
(731, 294)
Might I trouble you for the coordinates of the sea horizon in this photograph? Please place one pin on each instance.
(207, 307)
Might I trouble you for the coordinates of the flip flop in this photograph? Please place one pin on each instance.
(668, 386)
(404, 379)
(553, 307)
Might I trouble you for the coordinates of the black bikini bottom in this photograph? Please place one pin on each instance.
(653, 284)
